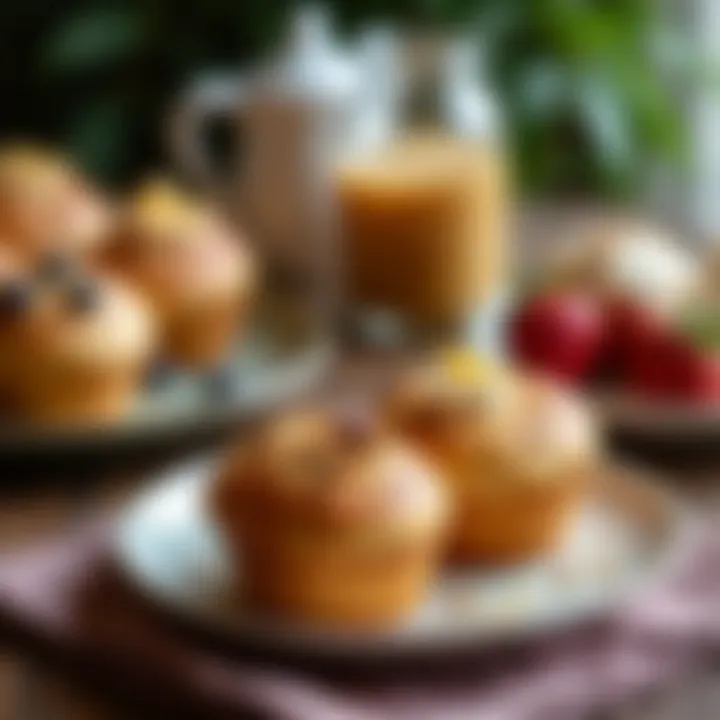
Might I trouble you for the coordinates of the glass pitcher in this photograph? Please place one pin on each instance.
(292, 116)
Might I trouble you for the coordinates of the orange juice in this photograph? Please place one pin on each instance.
(424, 227)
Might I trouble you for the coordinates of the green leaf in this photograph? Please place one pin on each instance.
(86, 41)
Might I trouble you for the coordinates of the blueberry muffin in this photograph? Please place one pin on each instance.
(516, 453)
(47, 205)
(195, 271)
(73, 347)
(334, 522)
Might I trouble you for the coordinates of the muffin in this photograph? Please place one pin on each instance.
(334, 522)
(516, 453)
(73, 348)
(46, 205)
(195, 272)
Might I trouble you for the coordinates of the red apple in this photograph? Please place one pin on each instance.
(651, 369)
(676, 365)
(559, 333)
(698, 376)
(632, 331)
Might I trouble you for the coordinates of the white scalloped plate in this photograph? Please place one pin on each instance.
(628, 533)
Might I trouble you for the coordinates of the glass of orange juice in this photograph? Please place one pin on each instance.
(425, 212)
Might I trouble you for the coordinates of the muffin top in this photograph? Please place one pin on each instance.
(47, 205)
(177, 249)
(57, 312)
(431, 401)
(332, 471)
(543, 433)
(495, 420)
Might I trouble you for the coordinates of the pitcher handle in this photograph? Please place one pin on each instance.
(209, 98)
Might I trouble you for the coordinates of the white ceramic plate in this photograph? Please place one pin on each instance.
(626, 535)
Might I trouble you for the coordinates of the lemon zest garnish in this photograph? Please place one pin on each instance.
(162, 204)
(468, 367)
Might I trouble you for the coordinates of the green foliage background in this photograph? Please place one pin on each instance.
(582, 82)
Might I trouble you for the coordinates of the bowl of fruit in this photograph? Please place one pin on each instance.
(633, 317)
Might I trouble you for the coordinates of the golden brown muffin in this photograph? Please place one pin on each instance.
(334, 522)
(197, 274)
(516, 452)
(47, 206)
(73, 348)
